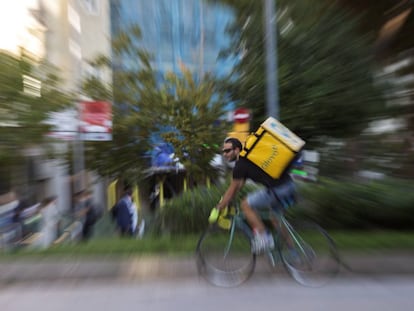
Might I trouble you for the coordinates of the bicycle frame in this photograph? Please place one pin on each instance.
(231, 236)
(240, 221)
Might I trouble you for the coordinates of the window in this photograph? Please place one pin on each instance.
(91, 6)
(74, 19)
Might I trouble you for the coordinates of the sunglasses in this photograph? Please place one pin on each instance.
(227, 150)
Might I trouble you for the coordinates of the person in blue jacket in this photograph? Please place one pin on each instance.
(123, 213)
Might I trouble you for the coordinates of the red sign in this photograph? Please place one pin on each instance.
(95, 120)
(241, 115)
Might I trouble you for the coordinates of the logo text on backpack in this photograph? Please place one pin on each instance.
(269, 160)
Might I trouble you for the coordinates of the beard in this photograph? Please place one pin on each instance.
(230, 162)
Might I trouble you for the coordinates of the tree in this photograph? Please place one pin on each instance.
(184, 112)
(325, 70)
(29, 91)
(125, 155)
(190, 113)
(377, 14)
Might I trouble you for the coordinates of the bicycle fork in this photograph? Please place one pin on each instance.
(230, 240)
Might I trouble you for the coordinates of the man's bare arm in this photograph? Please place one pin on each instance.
(235, 186)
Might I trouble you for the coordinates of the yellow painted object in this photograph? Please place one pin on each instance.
(272, 147)
(135, 196)
(241, 127)
(224, 222)
(223, 217)
(161, 185)
(111, 194)
(240, 131)
(185, 184)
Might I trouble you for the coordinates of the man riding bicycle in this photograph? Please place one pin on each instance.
(278, 193)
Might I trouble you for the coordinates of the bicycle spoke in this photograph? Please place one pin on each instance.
(224, 257)
(310, 255)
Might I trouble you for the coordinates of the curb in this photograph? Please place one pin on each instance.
(168, 267)
(142, 267)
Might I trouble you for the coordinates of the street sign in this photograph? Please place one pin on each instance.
(241, 115)
(95, 120)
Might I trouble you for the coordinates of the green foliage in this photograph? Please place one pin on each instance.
(176, 107)
(189, 113)
(385, 153)
(116, 248)
(124, 156)
(29, 91)
(386, 204)
(325, 68)
(180, 245)
(379, 205)
(188, 212)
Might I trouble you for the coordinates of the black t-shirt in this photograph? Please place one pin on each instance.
(245, 169)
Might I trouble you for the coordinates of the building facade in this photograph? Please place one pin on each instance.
(176, 32)
(78, 31)
(67, 34)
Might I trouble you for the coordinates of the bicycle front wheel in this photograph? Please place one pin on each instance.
(224, 257)
(309, 254)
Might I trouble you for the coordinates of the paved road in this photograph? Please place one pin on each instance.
(365, 293)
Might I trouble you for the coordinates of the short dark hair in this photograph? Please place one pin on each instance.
(128, 190)
(234, 142)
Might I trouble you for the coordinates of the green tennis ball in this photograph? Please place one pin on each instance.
(213, 215)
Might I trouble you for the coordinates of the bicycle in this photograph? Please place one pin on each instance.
(224, 257)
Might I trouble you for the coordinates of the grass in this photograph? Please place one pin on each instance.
(374, 240)
(352, 241)
(106, 243)
(113, 247)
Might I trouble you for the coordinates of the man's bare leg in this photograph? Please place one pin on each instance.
(252, 218)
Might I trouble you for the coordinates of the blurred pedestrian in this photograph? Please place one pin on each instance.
(93, 213)
(123, 213)
(134, 213)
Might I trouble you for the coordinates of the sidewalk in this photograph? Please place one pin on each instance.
(150, 267)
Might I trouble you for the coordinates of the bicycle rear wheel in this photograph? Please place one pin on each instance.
(224, 257)
(309, 254)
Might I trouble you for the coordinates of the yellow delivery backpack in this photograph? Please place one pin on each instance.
(273, 147)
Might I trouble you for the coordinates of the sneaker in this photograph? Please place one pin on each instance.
(262, 242)
(258, 243)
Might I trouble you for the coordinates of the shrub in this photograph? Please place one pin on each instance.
(188, 212)
(386, 204)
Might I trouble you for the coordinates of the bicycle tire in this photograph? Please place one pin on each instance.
(220, 264)
(313, 258)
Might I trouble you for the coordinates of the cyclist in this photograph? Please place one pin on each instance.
(278, 193)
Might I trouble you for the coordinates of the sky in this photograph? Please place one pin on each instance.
(15, 20)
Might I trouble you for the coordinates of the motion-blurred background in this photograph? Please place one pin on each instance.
(96, 95)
